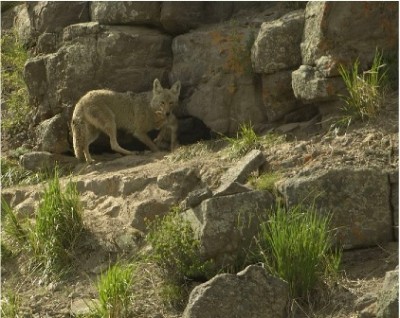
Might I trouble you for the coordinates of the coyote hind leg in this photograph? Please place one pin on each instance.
(109, 127)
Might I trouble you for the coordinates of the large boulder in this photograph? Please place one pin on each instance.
(251, 293)
(359, 200)
(126, 12)
(180, 17)
(52, 134)
(226, 225)
(214, 67)
(311, 86)
(348, 30)
(277, 46)
(388, 298)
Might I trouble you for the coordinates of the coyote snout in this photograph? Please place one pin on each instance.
(106, 110)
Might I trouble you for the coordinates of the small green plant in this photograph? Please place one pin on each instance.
(265, 181)
(176, 249)
(13, 174)
(10, 304)
(296, 245)
(58, 226)
(366, 90)
(115, 292)
(12, 226)
(14, 90)
(246, 140)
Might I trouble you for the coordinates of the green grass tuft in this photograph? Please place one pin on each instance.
(245, 141)
(13, 174)
(176, 249)
(366, 90)
(296, 245)
(58, 226)
(115, 292)
(10, 304)
(14, 91)
(266, 181)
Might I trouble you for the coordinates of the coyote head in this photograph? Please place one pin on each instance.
(164, 100)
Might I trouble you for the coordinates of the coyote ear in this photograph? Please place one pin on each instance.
(157, 88)
(176, 88)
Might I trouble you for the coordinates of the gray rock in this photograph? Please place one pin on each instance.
(218, 86)
(49, 16)
(126, 12)
(231, 188)
(277, 46)
(388, 299)
(310, 86)
(251, 293)
(179, 182)
(359, 200)
(47, 43)
(38, 160)
(346, 31)
(180, 17)
(195, 197)
(52, 135)
(226, 225)
(394, 200)
(81, 307)
(146, 211)
(277, 95)
(241, 170)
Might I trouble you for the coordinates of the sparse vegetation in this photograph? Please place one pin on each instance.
(265, 181)
(175, 248)
(53, 235)
(115, 292)
(13, 174)
(15, 103)
(10, 304)
(366, 90)
(296, 245)
(58, 226)
(246, 140)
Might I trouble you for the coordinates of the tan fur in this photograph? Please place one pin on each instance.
(105, 110)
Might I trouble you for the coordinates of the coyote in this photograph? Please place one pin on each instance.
(106, 110)
(169, 129)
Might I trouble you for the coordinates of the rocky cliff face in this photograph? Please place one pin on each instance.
(260, 62)
(271, 63)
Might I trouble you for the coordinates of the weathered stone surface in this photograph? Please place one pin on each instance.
(394, 201)
(277, 94)
(37, 160)
(226, 225)
(218, 88)
(146, 211)
(359, 200)
(251, 293)
(388, 299)
(339, 30)
(277, 46)
(195, 197)
(126, 12)
(52, 134)
(51, 16)
(310, 86)
(46, 43)
(241, 170)
(179, 182)
(180, 17)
